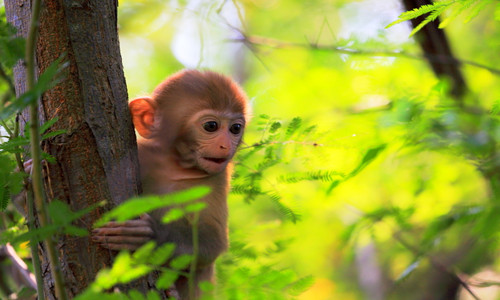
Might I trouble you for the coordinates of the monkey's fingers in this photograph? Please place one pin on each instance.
(123, 240)
(142, 231)
(119, 247)
(129, 223)
(146, 217)
(120, 242)
(27, 165)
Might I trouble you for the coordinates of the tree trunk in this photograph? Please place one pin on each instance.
(97, 156)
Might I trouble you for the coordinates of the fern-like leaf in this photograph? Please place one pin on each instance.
(320, 175)
(283, 209)
(495, 109)
(293, 126)
(457, 11)
(420, 11)
(4, 198)
(479, 5)
(432, 17)
(299, 286)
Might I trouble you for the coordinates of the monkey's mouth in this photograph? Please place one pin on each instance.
(215, 160)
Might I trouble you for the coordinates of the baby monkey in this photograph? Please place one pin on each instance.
(189, 130)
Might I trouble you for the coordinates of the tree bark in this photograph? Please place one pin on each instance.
(97, 155)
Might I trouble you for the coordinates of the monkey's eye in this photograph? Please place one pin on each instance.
(211, 126)
(235, 128)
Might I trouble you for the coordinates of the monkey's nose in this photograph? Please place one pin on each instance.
(223, 147)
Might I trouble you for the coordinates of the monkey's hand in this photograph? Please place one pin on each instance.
(128, 235)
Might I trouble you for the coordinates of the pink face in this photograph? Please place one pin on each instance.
(214, 138)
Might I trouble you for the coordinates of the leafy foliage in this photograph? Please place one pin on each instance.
(137, 206)
(433, 11)
(11, 47)
(346, 149)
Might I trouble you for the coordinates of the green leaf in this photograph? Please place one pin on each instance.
(319, 175)
(458, 9)
(167, 279)
(62, 215)
(11, 46)
(45, 126)
(14, 145)
(479, 6)
(37, 235)
(195, 207)
(53, 134)
(135, 207)
(293, 126)
(153, 295)
(124, 269)
(4, 196)
(161, 254)
(181, 262)
(75, 231)
(332, 186)
(206, 286)
(301, 285)
(142, 254)
(369, 156)
(48, 79)
(172, 215)
(434, 10)
(135, 295)
(283, 209)
(415, 13)
(495, 109)
(274, 127)
(432, 17)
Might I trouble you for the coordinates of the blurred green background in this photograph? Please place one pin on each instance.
(385, 193)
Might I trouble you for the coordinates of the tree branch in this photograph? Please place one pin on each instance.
(253, 41)
(436, 264)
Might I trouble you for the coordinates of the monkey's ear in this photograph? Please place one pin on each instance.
(143, 115)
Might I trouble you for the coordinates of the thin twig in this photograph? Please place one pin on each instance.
(37, 182)
(314, 144)
(436, 264)
(279, 44)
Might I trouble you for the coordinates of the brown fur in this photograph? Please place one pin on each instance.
(176, 153)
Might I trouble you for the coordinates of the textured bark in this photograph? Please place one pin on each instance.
(97, 156)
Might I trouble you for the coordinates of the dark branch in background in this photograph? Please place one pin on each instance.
(434, 43)
(436, 49)
(439, 59)
(19, 266)
(436, 264)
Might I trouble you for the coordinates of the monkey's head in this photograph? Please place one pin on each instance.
(199, 117)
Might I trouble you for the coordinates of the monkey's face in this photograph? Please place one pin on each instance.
(213, 138)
